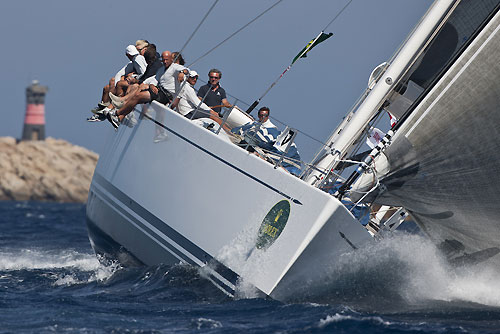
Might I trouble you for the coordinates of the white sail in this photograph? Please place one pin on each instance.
(443, 160)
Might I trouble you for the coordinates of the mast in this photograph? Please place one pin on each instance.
(342, 140)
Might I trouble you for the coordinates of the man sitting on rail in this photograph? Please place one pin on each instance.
(137, 64)
(160, 88)
(188, 103)
(154, 64)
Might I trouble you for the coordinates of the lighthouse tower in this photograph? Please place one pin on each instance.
(34, 120)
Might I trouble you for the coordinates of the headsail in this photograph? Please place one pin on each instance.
(445, 158)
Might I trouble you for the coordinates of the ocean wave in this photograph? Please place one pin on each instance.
(41, 259)
(205, 323)
(340, 317)
(402, 271)
(63, 267)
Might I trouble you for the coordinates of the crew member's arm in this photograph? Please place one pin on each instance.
(226, 103)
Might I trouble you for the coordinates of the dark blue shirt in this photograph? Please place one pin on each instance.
(151, 70)
(214, 98)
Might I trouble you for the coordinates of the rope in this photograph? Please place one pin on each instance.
(338, 14)
(272, 117)
(185, 44)
(233, 34)
(195, 30)
(243, 27)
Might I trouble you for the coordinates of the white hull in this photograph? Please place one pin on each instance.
(199, 199)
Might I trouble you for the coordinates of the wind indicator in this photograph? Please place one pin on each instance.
(302, 54)
(315, 41)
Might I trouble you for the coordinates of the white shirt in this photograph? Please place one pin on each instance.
(152, 80)
(189, 101)
(168, 78)
(268, 124)
(137, 65)
(140, 65)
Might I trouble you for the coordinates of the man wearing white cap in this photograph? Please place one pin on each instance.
(137, 64)
(161, 88)
(189, 104)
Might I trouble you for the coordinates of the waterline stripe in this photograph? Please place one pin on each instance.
(162, 227)
(216, 278)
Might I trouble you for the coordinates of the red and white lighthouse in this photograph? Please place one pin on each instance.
(34, 120)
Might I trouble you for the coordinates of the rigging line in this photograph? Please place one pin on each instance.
(306, 49)
(236, 32)
(309, 46)
(338, 14)
(188, 40)
(195, 30)
(232, 96)
(298, 130)
(274, 118)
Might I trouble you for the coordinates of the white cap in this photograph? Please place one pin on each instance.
(131, 50)
(193, 74)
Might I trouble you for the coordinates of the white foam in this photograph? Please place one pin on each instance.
(31, 215)
(477, 284)
(235, 256)
(409, 266)
(340, 317)
(421, 273)
(40, 259)
(77, 263)
(204, 323)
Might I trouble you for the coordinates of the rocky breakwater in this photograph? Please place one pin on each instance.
(49, 170)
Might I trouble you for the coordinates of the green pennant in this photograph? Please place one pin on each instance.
(311, 45)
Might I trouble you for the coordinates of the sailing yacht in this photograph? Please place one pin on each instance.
(254, 222)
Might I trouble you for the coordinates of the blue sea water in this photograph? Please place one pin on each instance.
(51, 282)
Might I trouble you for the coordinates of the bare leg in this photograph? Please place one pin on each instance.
(108, 88)
(132, 89)
(121, 88)
(112, 86)
(105, 94)
(132, 101)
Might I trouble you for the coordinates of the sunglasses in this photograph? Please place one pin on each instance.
(214, 77)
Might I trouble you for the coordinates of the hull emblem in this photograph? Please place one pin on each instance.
(273, 224)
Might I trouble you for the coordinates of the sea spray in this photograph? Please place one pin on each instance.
(68, 267)
(400, 270)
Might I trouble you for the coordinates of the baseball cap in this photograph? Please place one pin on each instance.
(131, 50)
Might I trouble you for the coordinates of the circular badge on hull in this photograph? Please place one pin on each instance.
(273, 224)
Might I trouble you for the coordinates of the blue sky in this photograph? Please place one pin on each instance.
(74, 47)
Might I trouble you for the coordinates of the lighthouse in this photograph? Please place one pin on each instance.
(34, 120)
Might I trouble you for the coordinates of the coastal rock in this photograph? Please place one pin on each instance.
(49, 170)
